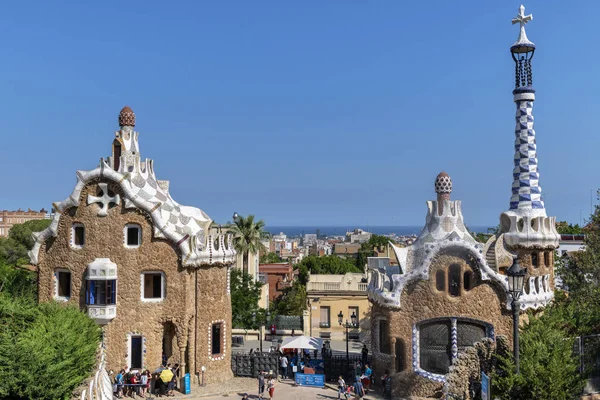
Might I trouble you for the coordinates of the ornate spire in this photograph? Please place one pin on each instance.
(522, 20)
(443, 186)
(126, 117)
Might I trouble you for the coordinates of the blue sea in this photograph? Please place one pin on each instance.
(296, 231)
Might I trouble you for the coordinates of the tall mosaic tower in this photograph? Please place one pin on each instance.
(526, 230)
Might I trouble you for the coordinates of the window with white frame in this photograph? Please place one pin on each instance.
(77, 236)
(62, 284)
(132, 235)
(153, 286)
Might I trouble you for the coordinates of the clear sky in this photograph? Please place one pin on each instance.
(302, 113)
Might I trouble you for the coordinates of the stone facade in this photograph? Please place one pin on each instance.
(170, 312)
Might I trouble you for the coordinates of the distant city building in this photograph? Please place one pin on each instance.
(278, 276)
(328, 295)
(346, 249)
(310, 239)
(10, 218)
(358, 236)
(281, 237)
(570, 244)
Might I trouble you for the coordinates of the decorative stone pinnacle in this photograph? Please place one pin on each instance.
(522, 20)
(443, 186)
(126, 117)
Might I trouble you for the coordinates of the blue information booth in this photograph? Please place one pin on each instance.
(314, 380)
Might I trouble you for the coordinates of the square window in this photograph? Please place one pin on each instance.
(63, 284)
(153, 286)
(216, 338)
(133, 236)
(78, 235)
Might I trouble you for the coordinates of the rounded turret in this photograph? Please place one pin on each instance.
(126, 117)
(443, 186)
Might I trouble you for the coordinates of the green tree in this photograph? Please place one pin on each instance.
(292, 301)
(245, 295)
(270, 258)
(548, 367)
(367, 249)
(247, 235)
(46, 351)
(327, 265)
(565, 228)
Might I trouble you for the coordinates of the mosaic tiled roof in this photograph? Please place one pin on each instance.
(187, 227)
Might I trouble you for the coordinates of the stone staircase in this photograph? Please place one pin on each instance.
(490, 256)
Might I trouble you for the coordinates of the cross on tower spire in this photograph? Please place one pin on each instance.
(522, 20)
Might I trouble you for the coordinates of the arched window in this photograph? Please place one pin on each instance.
(534, 260)
(440, 280)
(548, 259)
(454, 280)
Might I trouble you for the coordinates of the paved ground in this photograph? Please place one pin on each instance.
(337, 346)
(283, 391)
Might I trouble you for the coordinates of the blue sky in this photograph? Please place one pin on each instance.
(303, 113)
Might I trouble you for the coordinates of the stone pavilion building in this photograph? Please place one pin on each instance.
(152, 272)
(450, 291)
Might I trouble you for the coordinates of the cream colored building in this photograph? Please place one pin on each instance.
(328, 295)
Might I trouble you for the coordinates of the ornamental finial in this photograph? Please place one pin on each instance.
(523, 44)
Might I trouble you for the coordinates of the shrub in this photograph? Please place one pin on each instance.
(46, 351)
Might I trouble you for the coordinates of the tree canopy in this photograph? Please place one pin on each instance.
(325, 265)
(270, 258)
(245, 294)
(247, 236)
(565, 228)
(367, 249)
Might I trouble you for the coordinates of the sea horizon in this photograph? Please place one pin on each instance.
(340, 230)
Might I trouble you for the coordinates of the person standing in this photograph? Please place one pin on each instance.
(365, 353)
(271, 385)
(359, 390)
(341, 387)
(368, 375)
(144, 383)
(261, 384)
(284, 367)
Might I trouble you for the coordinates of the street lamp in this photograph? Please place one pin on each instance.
(347, 325)
(260, 326)
(516, 280)
(235, 217)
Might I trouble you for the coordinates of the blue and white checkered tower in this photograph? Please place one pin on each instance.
(526, 189)
(525, 225)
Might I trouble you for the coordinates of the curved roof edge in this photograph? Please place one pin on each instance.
(196, 248)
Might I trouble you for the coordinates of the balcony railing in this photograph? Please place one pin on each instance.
(336, 286)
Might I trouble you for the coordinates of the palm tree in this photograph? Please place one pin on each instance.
(247, 236)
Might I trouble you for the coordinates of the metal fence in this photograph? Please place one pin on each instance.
(250, 365)
(288, 322)
(588, 349)
(336, 365)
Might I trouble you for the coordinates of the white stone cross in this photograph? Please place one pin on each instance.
(522, 19)
(105, 200)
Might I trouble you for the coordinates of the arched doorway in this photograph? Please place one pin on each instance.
(170, 350)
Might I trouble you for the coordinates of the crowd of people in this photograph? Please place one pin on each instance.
(136, 383)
